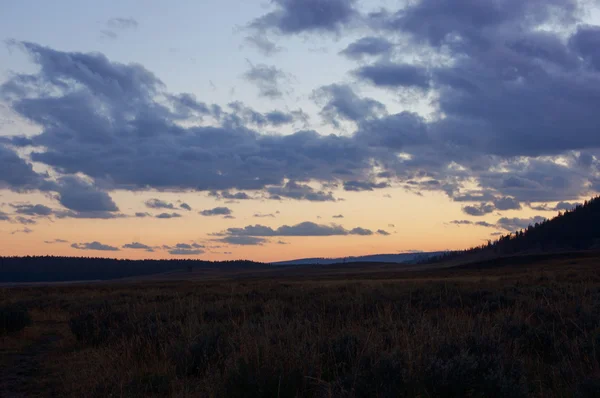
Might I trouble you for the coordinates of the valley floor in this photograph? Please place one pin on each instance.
(520, 328)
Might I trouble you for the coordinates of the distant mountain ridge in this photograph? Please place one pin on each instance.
(405, 258)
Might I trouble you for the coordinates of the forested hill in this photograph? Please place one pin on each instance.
(51, 268)
(576, 229)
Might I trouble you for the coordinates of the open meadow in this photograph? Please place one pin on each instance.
(516, 328)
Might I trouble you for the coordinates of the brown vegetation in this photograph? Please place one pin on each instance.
(504, 331)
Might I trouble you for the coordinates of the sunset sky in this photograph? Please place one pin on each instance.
(272, 130)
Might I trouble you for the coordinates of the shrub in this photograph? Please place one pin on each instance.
(13, 318)
(97, 326)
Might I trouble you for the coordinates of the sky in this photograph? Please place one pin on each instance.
(273, 130)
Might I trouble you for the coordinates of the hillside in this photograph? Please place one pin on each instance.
(576, 229)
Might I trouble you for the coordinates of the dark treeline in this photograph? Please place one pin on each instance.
(51, 268)
(576, 229)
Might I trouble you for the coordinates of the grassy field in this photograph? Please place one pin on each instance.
(520, 328)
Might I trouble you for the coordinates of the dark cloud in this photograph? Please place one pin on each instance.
(310, 16)
(382, 232)
(397, 131)
(4, 216)
(138, 246)
(217, 211)
(81, 196)
(562, 206)
(94, 246)
(32, 210)
(342, 103)
(267, 78)
(509, 95)
(142, 214)
(168, 215)
(367, 46)
(278, 118)
(294, 190)
(478, 210)
(506, 203)
(338, 216)
(230, 196)
(21, 176)
(159, 204)
(394, 75)
(360, 231)
(363, 185)
(186, 252)
(135, 143)
(185, 206)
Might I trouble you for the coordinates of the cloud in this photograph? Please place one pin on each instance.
(478, 210)
(81, 196)
(32, 210)
(4, 216)
(360, 231)
(217, 211)
(267, 79)
(513, 88)
(168, 215)
(476, 223)
(159, 204)
(367, 46)
(185, 206)
(294, 190)
(382, 232)
(306, 16)
(99, 215)
(22, 231)
(306, 228)
(25, 220)
(566, 206)
(21, 176)
(243, 240)
(261, 215)
(50, 242)
(138, 246)
(229, 195)
(142, 215)
(342, 103)
(118, 24)
(506, 203)
(394, 75)
(94, 246)
(338, 216)
(122, 23)
(262, 43)
(358, 186)
(514, 224)
(186, 252)
(137, 142)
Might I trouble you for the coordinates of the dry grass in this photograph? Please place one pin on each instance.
(501, 332)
